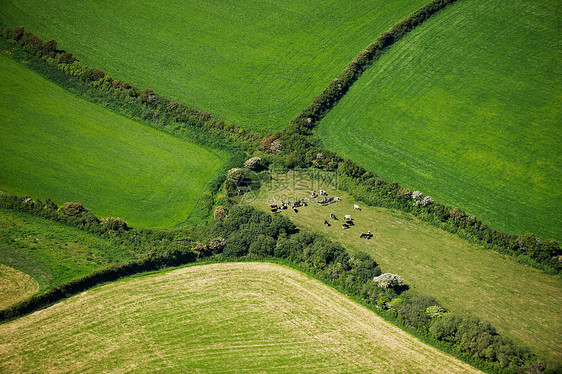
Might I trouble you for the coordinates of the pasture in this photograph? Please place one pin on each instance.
(15, 286)
(463, 277)
(51, 252)
(467, 109)
(255, 64)
(56, 145)
(251, 317)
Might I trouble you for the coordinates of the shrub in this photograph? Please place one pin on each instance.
(388, 280)
(220, 213)
(97, 74)
(253, 163)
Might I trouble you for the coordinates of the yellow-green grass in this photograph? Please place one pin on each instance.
(521, 302)
(467, 109)
(51, 252)
(219, 318)
(254, 63)
(15, 286)
(55, 145)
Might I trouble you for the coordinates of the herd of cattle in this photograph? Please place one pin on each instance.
(348, 221)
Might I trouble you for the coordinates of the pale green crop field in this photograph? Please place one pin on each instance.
(254, 63)
(467, 108)
(55, 145)
(219, 318)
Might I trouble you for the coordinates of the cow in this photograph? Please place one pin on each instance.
(345, 226)
(349, 223)
(356, 207)
(347, 217)
(333, 216)
(327, 223)
(295, 210)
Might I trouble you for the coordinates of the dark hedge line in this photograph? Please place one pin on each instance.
(168, 115)
(109, 274)
(323, 103)
(146, 242)
(249, 234)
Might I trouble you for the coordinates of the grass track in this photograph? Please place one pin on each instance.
(256, 63)
(467, 109)
(15, 286)
(252, 317)
(521, 302)
(51, 252)
(53, 144)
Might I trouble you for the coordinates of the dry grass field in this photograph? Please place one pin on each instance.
(15, 286)
(235, 317)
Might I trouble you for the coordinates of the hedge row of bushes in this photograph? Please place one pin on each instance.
(247, 233)
(323, 103)
(122, 97)
(147, 242)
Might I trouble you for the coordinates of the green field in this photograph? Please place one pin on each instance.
(521, 302)
(55, 145)
(220, 318)
(467, 109)
(256, 64)
(50, 252)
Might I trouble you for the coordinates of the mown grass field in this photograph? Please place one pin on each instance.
(256, 64)
(467, 109)
(51, 252)
(15, 286)
(56, 145)
(521, 302)
(251, 317)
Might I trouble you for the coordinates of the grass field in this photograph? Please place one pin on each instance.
(15, 286)
(55, 145)
(250, 317)
(256, 64)
(467, 109)
(522, 302)
(50, 252)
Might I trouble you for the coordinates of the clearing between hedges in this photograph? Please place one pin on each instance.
(466, 109)
(255, 64)
(229, 317)
(56, 145)
(52, 253)
(523, 303)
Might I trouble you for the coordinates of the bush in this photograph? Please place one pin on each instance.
(388, 280)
